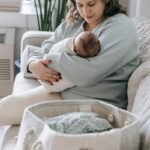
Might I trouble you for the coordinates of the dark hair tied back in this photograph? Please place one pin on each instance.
(112, 7)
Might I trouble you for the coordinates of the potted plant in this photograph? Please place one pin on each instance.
(49, 13)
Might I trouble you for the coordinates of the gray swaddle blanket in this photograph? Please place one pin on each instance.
(78, 123)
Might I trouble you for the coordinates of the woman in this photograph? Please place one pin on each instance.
(103, 77)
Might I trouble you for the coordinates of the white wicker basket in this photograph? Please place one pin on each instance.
(35, 134)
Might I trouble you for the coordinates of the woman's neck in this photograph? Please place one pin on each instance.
(88, 27)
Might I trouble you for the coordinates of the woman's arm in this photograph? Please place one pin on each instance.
(119, 47)
(38, 66)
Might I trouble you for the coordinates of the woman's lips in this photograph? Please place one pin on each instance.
(89, 17)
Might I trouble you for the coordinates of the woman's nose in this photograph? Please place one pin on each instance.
(86, 11)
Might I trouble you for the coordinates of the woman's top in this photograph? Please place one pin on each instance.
(104, 77)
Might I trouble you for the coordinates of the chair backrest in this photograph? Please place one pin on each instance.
(34, 38)
(143, 31)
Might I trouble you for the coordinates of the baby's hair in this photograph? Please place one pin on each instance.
(90, 43)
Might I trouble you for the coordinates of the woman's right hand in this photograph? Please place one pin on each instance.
(40, 70)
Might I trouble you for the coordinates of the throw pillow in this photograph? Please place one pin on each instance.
(143, 31)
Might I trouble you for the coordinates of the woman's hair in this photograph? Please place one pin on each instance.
(112, 7)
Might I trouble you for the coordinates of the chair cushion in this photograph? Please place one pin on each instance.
(22, 84)
(143, 32)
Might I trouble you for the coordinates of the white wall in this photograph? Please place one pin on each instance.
(130, 5)
(143, 8)
(29, 24)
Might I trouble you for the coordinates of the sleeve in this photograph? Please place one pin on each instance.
(116, 51)
(47, 44)
(44, 49)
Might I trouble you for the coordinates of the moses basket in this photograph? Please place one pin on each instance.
(35, 134)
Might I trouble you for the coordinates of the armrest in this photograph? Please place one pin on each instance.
(30, 41)
(135, 80)
(34, 38)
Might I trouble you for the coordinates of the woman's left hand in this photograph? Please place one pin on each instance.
(40, 70)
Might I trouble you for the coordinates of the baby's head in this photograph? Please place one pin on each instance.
(86, 44)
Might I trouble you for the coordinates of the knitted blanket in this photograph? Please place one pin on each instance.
(78, 123)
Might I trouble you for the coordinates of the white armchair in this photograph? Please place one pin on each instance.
(34, 38)
(138, 87)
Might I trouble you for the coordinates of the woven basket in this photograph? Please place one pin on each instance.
(35, 134)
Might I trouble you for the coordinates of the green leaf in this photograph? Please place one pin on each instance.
(52, 10)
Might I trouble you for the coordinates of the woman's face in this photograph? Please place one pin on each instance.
(91, 10)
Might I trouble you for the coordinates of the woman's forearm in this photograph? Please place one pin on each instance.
(40, 70)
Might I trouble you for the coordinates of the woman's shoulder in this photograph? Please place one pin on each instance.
(119, 20)
(118, 17)
(117, 24)
(118, 28)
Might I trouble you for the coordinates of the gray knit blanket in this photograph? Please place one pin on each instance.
(78, 123)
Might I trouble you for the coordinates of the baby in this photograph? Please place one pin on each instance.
(85, 45)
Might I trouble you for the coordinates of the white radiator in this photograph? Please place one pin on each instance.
(7, 36)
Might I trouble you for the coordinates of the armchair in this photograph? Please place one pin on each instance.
(34, 38)
(138, 87)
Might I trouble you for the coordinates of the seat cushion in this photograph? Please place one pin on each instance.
(22, 84)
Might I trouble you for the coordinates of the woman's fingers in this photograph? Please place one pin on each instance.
(52, 74)
(50, 77)
(43, 73)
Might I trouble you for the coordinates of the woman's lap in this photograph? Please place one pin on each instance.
(12, 106)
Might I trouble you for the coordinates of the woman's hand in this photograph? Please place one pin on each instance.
(40, 70)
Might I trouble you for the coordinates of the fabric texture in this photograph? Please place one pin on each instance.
(143, 31)
(139, 83)
(141, 109)
(78, 123)
(134, 82)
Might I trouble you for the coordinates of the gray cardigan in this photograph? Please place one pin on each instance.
(105, 76)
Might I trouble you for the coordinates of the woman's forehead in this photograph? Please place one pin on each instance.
(85, 1)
